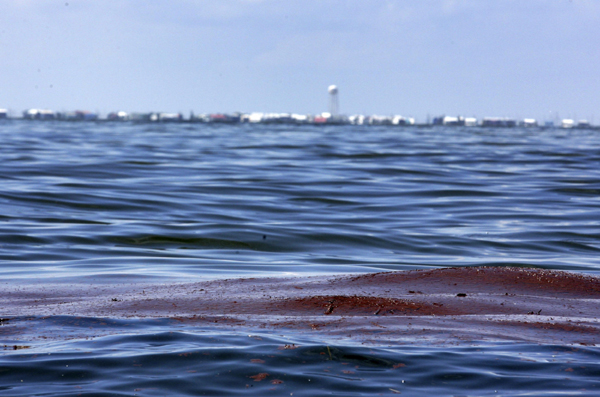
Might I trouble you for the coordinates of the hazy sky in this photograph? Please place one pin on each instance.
(517, 58)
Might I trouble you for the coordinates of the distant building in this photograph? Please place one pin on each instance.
(583, 124)
(140, 117)
(357, 119)
(118, 116)
(224, 118)
(199, 118)
(449, 121)
(498, 122)
(380, 120)
(322, 118)
(3, 113)
(78, 115)
(470, 122)
(492, 122)
(300, 118)
(452, 121)
(277, 118)
(567, 123)
(39, 114)
(254, 117)
(401, 120)
(274, 118)
(529, 123)
(169, 117)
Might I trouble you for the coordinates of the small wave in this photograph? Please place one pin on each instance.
(187, 361)
(190, 242)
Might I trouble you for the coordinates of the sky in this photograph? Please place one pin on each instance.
(507, 58)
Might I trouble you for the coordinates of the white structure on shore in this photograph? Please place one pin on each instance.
(470, 122)
(39, 114)
(334, 105)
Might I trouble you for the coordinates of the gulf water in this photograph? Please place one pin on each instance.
(125, 203)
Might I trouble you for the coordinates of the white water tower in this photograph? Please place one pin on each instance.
(334, 105)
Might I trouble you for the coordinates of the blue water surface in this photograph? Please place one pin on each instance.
(113, 203)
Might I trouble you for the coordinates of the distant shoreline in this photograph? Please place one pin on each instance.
(324, 119)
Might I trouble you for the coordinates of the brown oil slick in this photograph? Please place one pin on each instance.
(444, 306)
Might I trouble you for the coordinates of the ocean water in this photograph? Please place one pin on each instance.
(108, 204)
